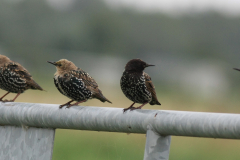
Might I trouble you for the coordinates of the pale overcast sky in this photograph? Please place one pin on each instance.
(231, 7)
(228, 7)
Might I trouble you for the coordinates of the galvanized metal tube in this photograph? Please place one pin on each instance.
(179, 123)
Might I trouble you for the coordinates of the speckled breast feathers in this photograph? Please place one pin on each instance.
(74, 85)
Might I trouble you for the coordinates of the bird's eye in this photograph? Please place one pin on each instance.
(59, 65)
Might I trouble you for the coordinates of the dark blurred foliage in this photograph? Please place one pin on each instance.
(93, 27)
(33, 31)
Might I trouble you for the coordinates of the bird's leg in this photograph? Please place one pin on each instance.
(12, 99)
(15, 97)
(75, 104)
(139, 106)
(68, 103)
(4, 96)
(125, 109)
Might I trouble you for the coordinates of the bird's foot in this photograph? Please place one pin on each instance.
(75, 104)
(140, 107)
(61, 106)
(7, 100)
(70, 105)
(129, 108)
(66, 104)
(134, 108)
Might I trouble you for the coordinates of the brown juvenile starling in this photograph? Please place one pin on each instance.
(15, 78)
(137, 85)
(75, 83)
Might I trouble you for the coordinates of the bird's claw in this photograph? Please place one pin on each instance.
(129, 108)
(61, 106)
(6, 100)
(133, 108)
(68, 106)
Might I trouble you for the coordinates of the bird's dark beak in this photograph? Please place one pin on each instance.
(54, 63)
(236, 69)
(149, 65)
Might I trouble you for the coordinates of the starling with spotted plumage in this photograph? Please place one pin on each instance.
(75, 83)
(15, 78)
(137, 85)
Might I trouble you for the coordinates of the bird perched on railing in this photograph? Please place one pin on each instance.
(137, 85)
(15, 78)
(75, 83)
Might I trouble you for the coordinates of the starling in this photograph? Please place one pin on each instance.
(15, 78)
(137, 85)
(75, 83)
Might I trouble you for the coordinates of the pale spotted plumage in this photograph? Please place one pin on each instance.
(14, 78)
(75, 83)
(134, 87)
(137, 85)
(11, 81)
(72, 86)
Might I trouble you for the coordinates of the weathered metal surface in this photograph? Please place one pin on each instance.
(18, 143)
(180, 123)
(157, 147)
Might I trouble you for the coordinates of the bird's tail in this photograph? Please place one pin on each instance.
(100, 96)
(33, 85)
(155, 102)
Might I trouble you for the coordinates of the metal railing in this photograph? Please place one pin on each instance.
(27, 129)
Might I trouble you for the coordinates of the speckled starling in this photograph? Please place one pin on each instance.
(137, 85)
(14, 78)
(75, 83)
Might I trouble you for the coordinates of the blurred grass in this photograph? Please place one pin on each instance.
(91, 145)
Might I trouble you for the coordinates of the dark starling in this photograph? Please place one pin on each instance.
(15, 78)
(75, 83)
(137, 85)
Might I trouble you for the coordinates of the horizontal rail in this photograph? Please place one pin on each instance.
(179, 123)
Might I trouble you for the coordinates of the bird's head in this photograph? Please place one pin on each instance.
(4, 59)
(136, 65)
(63, 65)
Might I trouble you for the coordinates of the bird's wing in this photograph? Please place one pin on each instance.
(24, 75)
(151, 89)
(90, 84)
(19, 70)
(86, 78)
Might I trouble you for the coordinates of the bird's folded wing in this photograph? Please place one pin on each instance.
(86, 78)
(19, 70)
(150, 86)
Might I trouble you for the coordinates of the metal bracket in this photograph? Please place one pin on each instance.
(157, 147)
(26, 143)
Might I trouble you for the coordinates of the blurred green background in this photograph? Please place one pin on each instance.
(194, 50)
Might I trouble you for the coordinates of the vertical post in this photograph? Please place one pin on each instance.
(26, 143)
(157, 147)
